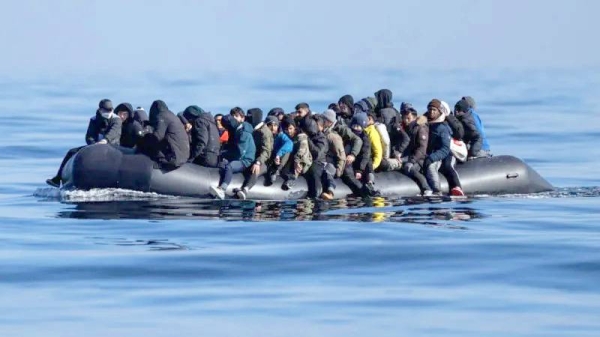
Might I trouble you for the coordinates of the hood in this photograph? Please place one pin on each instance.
(360, 119)
(254, 116)
(125, 107)
(192, 112)
(361, 106)
(384, 99)
(230, 124)
(311, 128)
(140, 115)
(440, 119)
(157, 107)
(276, 112)
(445, 108)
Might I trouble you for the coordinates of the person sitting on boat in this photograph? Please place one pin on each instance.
(277, 112)
(131, 129)
(103, 128)
(318, 147)
(380, 140)
(168, 145)
(385, 111)
(448, 168)
(352, 142)
(283, 145)
(357, 175)
(336, 156)
(411, 146)
(472, 137)
(263, 140)
(439, 144)
(485, 146)
(205, 144)
(223, 134)
(240, 153)
(346, 106)
(254, 117)
(303, 114)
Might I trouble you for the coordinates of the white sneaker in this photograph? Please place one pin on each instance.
(217, 192)
(241, 194)
(427, 193)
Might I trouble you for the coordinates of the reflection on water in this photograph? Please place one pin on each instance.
(426, 211)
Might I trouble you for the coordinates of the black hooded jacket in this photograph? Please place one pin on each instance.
(385, 111)
(205, 143)
(168, 144)
(317, 142)
(458, 132)
(472, 137)
(131, 129)
(254, 116)
(101, 128)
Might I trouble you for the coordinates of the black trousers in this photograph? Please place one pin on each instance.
(415, 174)
(349, 177)
(68, 156)
(449, 171)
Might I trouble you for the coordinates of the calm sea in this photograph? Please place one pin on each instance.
(122, 263)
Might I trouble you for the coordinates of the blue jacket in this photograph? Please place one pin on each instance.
(243, 148)
(439, 141)
(283, 145)
(485, 145)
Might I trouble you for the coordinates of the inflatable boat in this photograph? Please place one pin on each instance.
(105, 166)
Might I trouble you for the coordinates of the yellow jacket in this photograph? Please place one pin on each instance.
(376, 148)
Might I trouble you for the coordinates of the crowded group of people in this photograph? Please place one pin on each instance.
(350, 140)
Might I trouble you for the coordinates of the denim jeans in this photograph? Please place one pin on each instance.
(227, 169)
(432, 175)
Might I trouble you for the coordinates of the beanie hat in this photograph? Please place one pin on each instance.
(105, 104)
(362, 106)
(360, 119)
(470, 101)
(329, 115)
(405, 107)
(435, 103)
(348, 100)
(271, 120)
(372, 101)
(461, 105)
(445, 108)
(275, 112)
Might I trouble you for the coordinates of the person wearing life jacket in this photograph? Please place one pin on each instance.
(439, 144)
(103, 128)
(240, 153)
(358, 174)
(485, 146)
(223, 133)
(263, 135)
(336, 156)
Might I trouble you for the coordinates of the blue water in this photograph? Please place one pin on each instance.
(123, 263)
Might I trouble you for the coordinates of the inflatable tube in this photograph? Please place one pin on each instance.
(104, 166)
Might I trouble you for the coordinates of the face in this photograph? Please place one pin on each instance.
(357, 128)
(320, 127)
(433, 113)
(239, 118)
(408, 118)
(280, 117)
(291, 131)
(371, 120)
(274, 128)
(344, 108)
(301, 112)
(219, 121)
(123, 115)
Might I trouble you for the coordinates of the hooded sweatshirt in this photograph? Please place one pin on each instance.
(243, 147)
(168, 144)
(376, 148)
(131, 129)
(439, 139)
(204, 137)
(385, 111)
(317, 142)
(349, 101)
(104, 128)
(254, 116)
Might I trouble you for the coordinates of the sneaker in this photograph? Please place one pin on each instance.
(288, 184)
(241, 193)
(327, 195)
(269, 179)
(427, 193)
(217, 192)
(457, 192)
(54, 182)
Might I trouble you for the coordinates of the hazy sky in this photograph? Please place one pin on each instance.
(150, 35)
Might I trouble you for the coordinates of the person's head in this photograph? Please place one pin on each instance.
(329, 118)
(384, 99)
(461, 107)
(405, 106)
(470, 101)
(346, 104)
(277, 112)
(445, 108)
(434, 109)
(370, 119)
(219, 121)
(319, 120)
(409, 115)
(289, 126)
(359, 122)
(105, 108)
(238, 114)
(302, 109)
(124, 111)
(254, 116)
(272, 123)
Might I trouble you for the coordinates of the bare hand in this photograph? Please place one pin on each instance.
(188, 127)
(297, 169)
(255, 169)
(277, 160)
(350, 159)
(103, 141)
(358, 175)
